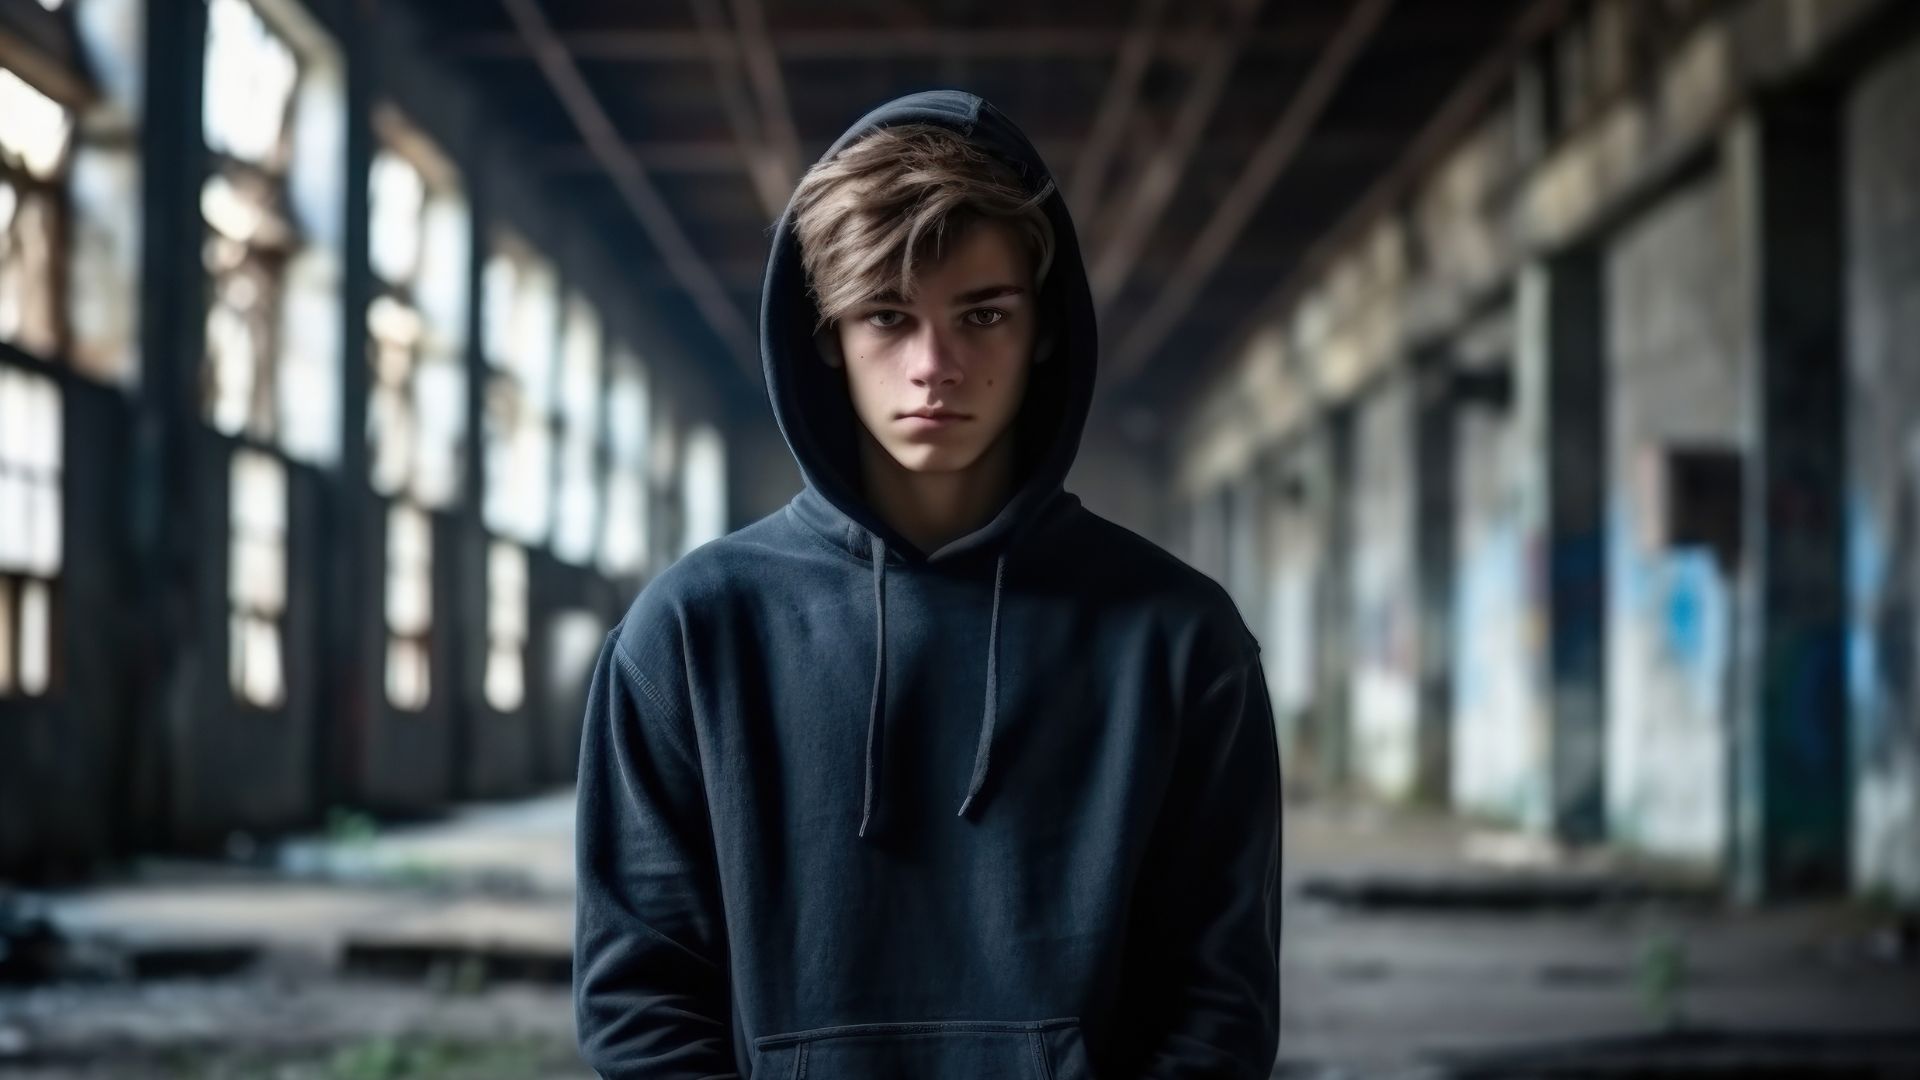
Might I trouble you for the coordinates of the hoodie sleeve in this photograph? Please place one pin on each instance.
(650, 988)
(1207, 997)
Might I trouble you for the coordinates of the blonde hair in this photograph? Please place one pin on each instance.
(866, 217)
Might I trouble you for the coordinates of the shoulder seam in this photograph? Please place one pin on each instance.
(660, 701)
(1225, 678)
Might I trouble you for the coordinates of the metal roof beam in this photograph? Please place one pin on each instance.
(629, 176)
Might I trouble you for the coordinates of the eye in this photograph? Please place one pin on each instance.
(992, 316)
(884, 320)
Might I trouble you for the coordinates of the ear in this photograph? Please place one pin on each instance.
(826, 341)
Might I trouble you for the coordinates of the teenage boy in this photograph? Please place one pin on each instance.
(932, 774)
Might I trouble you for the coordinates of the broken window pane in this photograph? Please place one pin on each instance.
(440, 404)
(579, 400)
(274, 119)
(522, 318)
(506, 626)
(409, 678)
(30, 461)
(29, 315)
(69, 205)
(36, 637)
(395, 331)
(417, 412)
(440, 289)
(409, 604)
(262, 680)
(256, 576)
(520, 337)
(397, 199)
(34, 128)
(240, 348)
(409, 555)
(307, 378)
(249, 83)
(312, 313)
(623, 537)
(103, 266)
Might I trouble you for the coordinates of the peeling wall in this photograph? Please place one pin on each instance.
(1383, 595)
(1293, 565)
(1497, 751)
(1883, 221)
(1677, 371)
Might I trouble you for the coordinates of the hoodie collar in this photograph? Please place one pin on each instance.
(817, 420)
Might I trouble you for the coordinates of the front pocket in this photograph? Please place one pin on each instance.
(927, 1050)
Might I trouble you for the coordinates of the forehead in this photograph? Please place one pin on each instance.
(984, 253)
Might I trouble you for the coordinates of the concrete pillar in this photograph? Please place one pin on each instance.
(471, 603)
(1790, 770)
(1207, 533)
(1560, 391)
(167, 501)
(1332, 499)
(1433, 522)
(1247, 543)
(354, 617)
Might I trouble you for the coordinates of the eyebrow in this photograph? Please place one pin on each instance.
(974, 296)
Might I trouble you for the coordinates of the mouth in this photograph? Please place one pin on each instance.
(932, 416)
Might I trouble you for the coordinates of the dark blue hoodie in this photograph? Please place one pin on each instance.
(850, 810)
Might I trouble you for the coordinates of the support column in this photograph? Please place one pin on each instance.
(1790, 791)
(1332, 496)
(354, 619)
(1433, 523)
(1562, 393)
(167, 503)
(1247, 543)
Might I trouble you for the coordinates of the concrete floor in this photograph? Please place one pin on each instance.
(440, 950)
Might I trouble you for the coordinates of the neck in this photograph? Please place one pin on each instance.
(931, 509)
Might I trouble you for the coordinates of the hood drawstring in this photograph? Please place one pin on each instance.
(878, 550)
(983, 753)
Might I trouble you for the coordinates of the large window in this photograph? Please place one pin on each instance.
(521, 333)
(34, 136)
(250, 79)
(416, 418)
(272, 243)
(416, 344)
(70, 190)
(69, 223)
(30, 536)
(273, 122)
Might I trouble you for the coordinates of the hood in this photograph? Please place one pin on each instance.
(817, 420)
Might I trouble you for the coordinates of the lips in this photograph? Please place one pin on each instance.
(933, 414)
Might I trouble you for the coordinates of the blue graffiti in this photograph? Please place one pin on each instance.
(1866, 572)
(1693, 579)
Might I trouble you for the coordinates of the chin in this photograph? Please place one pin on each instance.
(919, 458)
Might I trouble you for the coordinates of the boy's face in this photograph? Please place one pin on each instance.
(961, 346)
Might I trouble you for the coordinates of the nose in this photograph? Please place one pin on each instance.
(932, 359)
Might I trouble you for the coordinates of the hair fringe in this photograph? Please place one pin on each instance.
(894, 198)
